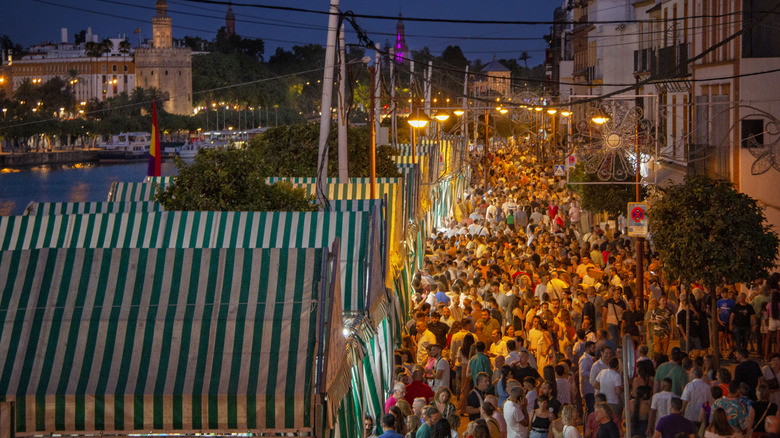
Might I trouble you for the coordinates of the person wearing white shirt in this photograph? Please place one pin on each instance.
(601, 364)
(695, 395)
(609, 383)
(660, 406)
(515, 414)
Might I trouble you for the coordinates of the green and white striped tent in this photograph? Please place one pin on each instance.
(192, 229)
(134, 191)
(63, 208)
(139, 340)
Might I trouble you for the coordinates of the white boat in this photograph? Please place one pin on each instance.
(126, 146)
(211, 140)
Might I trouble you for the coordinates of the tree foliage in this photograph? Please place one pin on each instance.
(292, 151)
(229, 180)
(604, 197)
(706, 230)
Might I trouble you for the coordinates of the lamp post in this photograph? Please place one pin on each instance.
(566, 114)
(552, 112)
(441, 116)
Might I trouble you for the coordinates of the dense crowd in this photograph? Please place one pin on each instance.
(520, 314)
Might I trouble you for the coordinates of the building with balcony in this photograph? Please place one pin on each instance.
(712, 65)
(92, 77)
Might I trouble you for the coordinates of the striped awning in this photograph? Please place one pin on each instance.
(61, 208)
(163, 340)
(136, 191)
(313, 180)
(194, 229)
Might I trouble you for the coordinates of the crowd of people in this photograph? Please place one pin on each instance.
(521, 311)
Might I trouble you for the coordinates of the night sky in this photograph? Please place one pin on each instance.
(33, 21)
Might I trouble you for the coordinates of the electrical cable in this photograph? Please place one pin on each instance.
(453, 21)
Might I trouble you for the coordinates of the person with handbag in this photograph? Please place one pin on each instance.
(771, 372)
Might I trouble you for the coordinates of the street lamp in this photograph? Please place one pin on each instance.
(416, 121)
(459, 112)
(600, 117)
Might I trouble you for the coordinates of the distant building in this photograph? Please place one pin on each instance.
(230, 21)
(165, 67)
(98, 78)
(494, 81)
(401, 49)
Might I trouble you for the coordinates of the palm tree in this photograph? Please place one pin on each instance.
(124, 47)
(524, 57)
(92, 49)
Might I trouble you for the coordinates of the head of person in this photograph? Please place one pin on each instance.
(569, 415)
(417, 406)
(542, 400)
(483, 381)
(487, 409)
(603, 412)
(388, 422)
(368, 424)
(676, 404)
(666, 384)
(614, 363)
(516, 393)
(443, 395)
(399, 390)
(480, 346)
(606, 353)
(431, 415)
(441, 428)
(435, 350)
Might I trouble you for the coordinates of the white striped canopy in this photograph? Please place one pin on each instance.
(162, 340)
(195, 229)
(60, 208)
(136, 191)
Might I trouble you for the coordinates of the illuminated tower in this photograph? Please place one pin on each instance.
(230, 21)
(165, 67)
(401, 49)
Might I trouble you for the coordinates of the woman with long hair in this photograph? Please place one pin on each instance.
(645, 375)
(501, 390)
(442, 429)
(465, 353)
(640, 407)
(442, 400)
(719, 426)
(413, 423)
(541, 418)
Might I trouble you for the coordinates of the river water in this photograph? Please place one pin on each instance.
(80, 182)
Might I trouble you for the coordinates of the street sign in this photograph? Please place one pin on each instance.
(560, 170)
(571, 161)
(637, 219)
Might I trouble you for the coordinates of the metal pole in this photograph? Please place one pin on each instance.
(327, 97)
(485, 167)
(342, 127)
(377, 95)
(411, 100)
(372, 143)
(393, 103)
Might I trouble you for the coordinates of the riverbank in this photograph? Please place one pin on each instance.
(26, 159)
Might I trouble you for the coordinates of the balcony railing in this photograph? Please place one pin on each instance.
(664, 63)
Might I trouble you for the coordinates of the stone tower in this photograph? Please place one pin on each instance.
(230, 21)
(167, 68)
(161, 27)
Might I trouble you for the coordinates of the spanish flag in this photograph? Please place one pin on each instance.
(155, 155)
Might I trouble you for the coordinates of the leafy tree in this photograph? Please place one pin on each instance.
(704, 229)
(292, 151)
(524, 57)
(229, 180)
(604, 197)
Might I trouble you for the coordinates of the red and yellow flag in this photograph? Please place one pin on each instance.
(155, 153)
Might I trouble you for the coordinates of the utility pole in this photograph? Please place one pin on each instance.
(411, 105)
(393, 103)
(327, 98)
(378, 100)
(372, 143)
(343, 154)
(428, 92)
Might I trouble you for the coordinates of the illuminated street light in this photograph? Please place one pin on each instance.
(552, 111)
(459, 112)
(441, 115)
(565, 113)
(600, 117)
(418, 121)
(502, 110)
